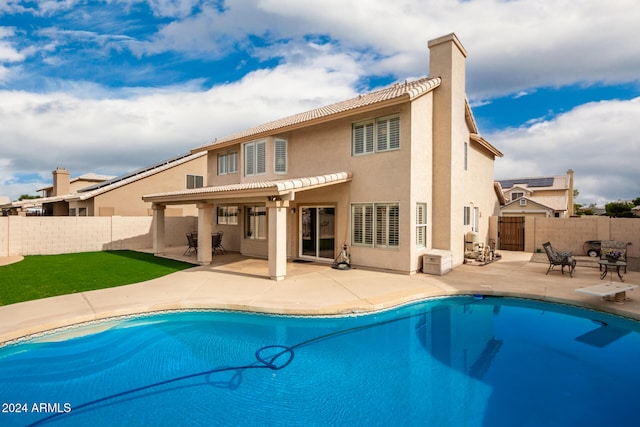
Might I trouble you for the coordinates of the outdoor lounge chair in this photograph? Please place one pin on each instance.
(192, 244)
(559, 258)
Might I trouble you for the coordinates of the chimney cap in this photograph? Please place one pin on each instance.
(451, 37)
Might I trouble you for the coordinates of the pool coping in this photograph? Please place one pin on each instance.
(314, 289)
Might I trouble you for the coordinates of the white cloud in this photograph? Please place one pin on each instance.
(514, 47)
(597, 140)
(114, 136)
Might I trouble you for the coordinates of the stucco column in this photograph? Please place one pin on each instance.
(158, 228)
(205, 219)
(277, 214)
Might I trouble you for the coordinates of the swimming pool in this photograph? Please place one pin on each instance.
(459, 361)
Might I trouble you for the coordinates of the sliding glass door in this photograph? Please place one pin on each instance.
(317, 232)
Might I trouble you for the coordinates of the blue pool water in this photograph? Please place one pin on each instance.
(448, 362)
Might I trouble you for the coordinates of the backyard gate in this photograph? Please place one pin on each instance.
(511, 233)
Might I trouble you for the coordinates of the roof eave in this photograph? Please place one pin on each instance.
(486, 145)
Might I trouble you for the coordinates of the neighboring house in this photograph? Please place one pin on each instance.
(549, 196)
(122, 195)
(393, 174)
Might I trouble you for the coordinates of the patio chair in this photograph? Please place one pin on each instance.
(192, 244)
(559, 258)
(216, 243)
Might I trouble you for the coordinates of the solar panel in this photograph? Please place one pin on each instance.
(530, 182)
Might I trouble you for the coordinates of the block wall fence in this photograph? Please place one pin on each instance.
(59, 235)
(56, 235)
(570, 234)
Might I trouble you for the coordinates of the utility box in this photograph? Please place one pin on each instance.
(437, 261)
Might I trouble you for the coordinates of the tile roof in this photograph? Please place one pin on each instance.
(398, 91)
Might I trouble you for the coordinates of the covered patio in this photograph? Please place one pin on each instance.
(275, 196)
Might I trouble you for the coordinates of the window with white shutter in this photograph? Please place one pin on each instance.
(375, 224)
(381, 134)
(421, 225)
(254, 158)
(280, 156)
(362, 138)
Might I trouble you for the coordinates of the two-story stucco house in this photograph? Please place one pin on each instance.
(392, 174)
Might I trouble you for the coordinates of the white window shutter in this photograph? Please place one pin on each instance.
(280, 156)
(260, 157)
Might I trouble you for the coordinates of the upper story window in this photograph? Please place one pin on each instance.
(227, 163)
(280, 156)
(254, 158)
(195, 181)
(466, 155)
(381, 134)
(516, 195)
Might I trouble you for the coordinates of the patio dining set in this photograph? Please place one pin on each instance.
(216, 243)
(613, 257)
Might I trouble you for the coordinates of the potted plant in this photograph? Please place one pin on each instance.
(612, 255)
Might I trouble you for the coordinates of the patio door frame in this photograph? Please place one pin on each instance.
(316, 234)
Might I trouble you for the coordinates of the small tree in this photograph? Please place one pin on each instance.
(619, 209)
(27, 197)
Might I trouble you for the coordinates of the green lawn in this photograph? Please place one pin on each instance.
(41, 276)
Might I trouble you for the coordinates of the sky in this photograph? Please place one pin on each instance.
(112, 86)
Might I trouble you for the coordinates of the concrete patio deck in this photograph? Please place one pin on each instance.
(236, 282)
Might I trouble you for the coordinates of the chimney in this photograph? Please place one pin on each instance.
(570, 210)
(61, 182)
(447, 59)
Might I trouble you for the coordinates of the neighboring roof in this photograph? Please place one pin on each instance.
(529, 200)
(31, 203)
(109, 184)
(103, 187)
(551, 182)
(251, 189)
(89, 177)
(399, 92)
(524, 189)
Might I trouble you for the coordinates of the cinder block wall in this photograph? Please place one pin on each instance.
(57, 235)
(571, 233)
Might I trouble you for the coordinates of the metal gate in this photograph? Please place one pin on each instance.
(511, 233)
